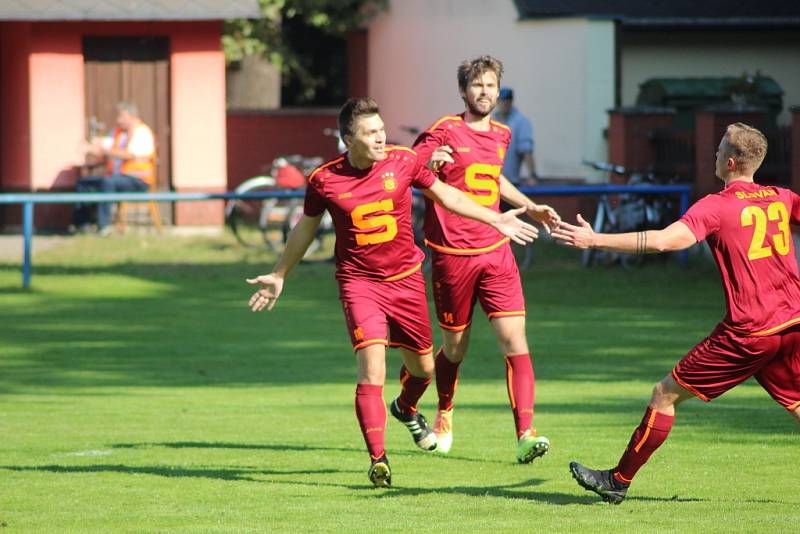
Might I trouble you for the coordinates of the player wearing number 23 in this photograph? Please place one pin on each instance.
(746, 225)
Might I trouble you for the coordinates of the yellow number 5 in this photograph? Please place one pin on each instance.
(759, 248)
(362, 221)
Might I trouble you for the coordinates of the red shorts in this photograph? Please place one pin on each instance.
(725, 359)
(491, 277)
(387, 313)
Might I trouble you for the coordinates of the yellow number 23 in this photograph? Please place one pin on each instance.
(759, 246)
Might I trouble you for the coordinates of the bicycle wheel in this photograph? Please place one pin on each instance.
(247, 218)
(326, 240)
(322, 248)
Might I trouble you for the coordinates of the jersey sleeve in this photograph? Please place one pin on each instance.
(314, 204)
(423, 177)
(702, 218)
(795, 208)
(426, 143)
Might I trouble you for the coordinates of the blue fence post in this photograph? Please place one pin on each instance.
(27, 232)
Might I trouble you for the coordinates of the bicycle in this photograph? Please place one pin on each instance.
(631, 213)
(257, 222)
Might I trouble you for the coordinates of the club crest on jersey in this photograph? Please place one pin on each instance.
(389, 183)
(501, 152)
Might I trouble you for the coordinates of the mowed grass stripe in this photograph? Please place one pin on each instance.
(139, 394)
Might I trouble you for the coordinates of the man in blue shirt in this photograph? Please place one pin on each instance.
(521, 147)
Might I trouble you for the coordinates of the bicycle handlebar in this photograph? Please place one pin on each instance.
(603, 166)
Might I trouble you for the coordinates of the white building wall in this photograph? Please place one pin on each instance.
(561, 71)
(720, 53)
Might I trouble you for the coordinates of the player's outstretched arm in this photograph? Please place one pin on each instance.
(676, 236)
(505, 223)
(541, 213)
(271, 284)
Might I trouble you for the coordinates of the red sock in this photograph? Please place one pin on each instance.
(520, 383)
(647, 437)
(371, 414)
(446, 380)
(413, 388)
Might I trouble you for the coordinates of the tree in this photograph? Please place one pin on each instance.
(298, 37)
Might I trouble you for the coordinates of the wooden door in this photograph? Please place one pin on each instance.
(131, 69)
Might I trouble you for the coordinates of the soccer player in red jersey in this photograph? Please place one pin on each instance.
(747, 227)
(367, 191)
(472, 261)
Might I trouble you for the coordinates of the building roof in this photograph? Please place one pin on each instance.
(675, 13)
(35, 10)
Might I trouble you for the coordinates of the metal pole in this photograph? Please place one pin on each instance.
(27, 233)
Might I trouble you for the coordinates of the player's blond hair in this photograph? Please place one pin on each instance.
(353, 109)
(475, 68)
(746, 145)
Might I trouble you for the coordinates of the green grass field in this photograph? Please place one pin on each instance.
(139, 394)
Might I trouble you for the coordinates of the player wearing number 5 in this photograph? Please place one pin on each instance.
(473, 262)
(367, 191)
(747, 227)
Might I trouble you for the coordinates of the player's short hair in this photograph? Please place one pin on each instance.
(128, 107)
(746, 145)
(353, 109)
(474, 68)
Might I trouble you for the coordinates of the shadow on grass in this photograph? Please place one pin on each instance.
(170, 471)
(283, 447)
(505, 491)
(243, 446)
(754, 421)
(184, 323)
(247, 475)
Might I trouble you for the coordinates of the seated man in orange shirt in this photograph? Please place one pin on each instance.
(129, 153)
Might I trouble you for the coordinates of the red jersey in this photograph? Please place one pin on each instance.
(478, 162)
(747, 227)
(371, 211)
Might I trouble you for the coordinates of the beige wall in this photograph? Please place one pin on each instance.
(560, 69)
(722, 53)
(56, 108)
(197, 103)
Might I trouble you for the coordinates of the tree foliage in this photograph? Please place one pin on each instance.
(272, 34)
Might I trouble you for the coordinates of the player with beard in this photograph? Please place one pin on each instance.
(367, 191)
(475, 263)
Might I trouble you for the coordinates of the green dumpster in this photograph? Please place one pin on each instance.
(690, 95)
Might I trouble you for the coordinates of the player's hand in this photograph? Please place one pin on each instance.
(271, 287)
(544, 214)
(569, 235)
(439, 157)
(519, 231)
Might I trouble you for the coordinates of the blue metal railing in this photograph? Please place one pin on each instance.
(29, 199)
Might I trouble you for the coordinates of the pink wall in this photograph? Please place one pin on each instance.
(198, 121)
(42, 93)
(57, 108)
(198, 109)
